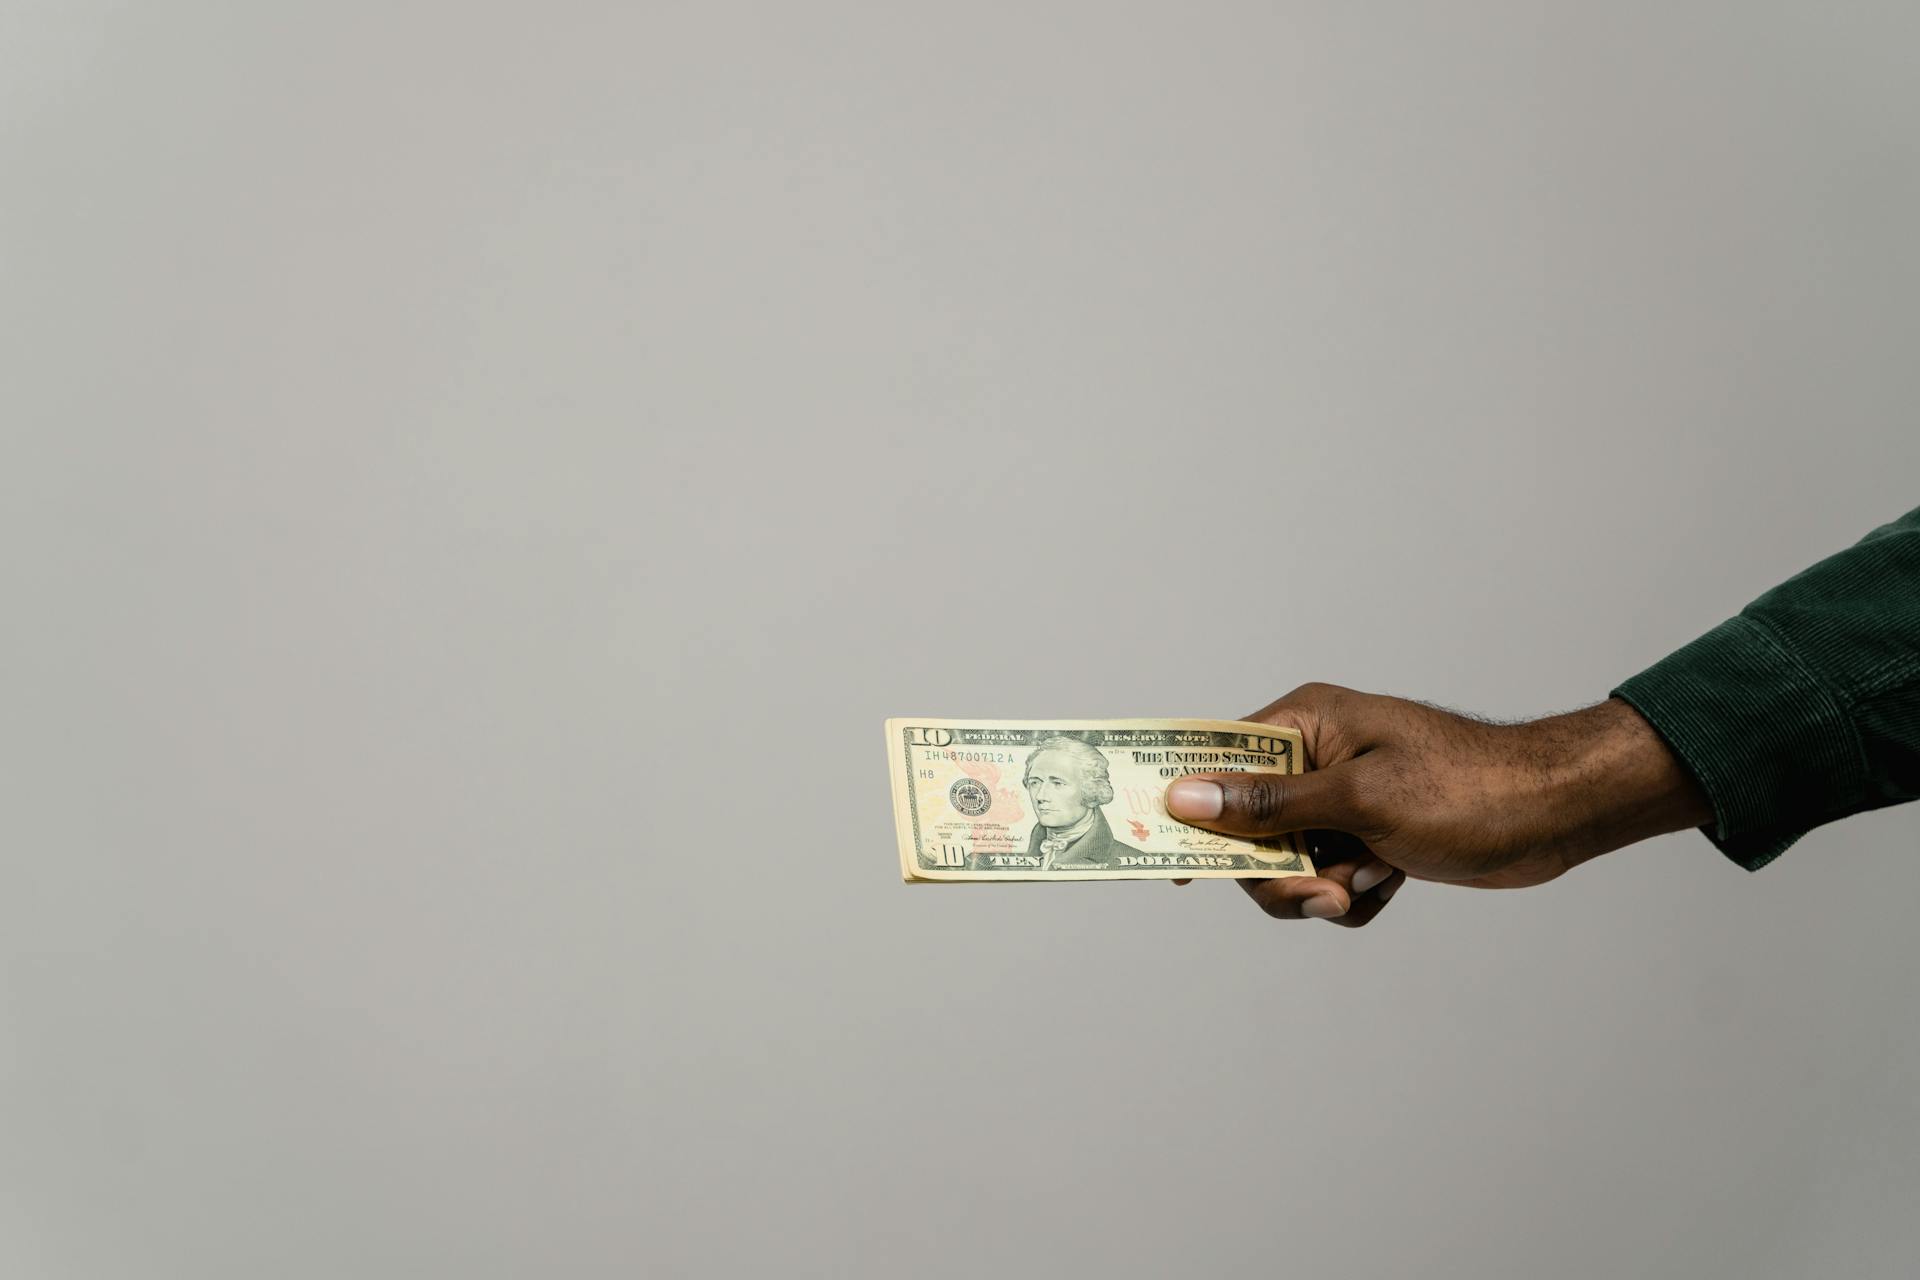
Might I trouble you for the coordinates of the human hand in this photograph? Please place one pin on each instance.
(1400, 789)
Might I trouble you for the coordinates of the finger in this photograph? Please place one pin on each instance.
(1370, 883)
(1320, 897)
(1300, 897)
(1309, 706)
(1265, 804)
(1369, 875)
(1367, 906)
(1306, 701)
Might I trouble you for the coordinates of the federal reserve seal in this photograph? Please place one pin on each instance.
(970, 797)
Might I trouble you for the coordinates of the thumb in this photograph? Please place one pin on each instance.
(1266, 804)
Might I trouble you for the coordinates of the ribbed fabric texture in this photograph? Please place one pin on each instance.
(1806, 706)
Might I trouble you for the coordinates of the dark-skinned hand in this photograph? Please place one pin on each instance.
(1398, 789)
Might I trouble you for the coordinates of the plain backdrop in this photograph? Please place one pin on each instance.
(476, 477)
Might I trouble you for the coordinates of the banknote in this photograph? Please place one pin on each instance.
(984, 800)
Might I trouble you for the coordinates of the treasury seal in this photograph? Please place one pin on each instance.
(970, 797)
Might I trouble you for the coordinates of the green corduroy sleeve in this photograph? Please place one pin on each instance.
(1805, 707)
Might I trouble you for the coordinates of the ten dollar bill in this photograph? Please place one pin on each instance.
(983, 800)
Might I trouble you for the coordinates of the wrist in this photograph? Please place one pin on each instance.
(1617, 782)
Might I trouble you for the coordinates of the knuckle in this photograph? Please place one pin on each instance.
(1323, 695)
(1260, 801)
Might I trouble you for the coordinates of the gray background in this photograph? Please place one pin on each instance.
(476, 477)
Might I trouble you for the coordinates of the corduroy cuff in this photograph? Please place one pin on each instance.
(1768, 740)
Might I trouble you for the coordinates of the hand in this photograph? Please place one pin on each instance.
(1399, 789)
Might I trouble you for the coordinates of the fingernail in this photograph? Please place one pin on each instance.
(1370, 875)
(1195, 799)
(1323, 906)
(1386, 894)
